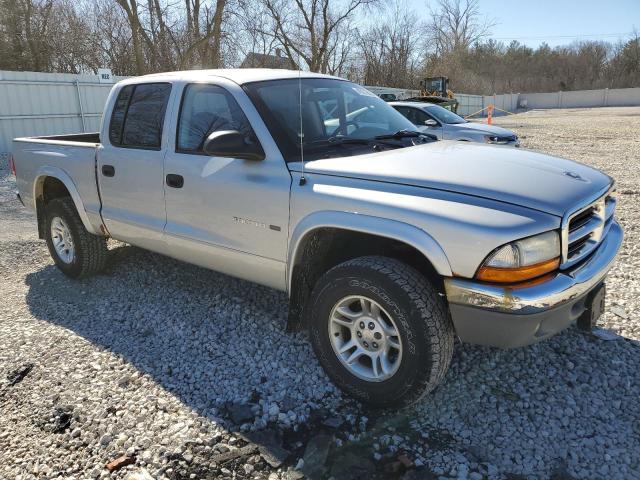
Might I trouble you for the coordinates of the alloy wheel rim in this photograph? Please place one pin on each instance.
(365, 338)
(62, 240)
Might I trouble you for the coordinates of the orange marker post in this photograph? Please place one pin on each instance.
(490, 114)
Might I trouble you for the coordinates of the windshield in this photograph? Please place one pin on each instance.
(339, 118)
(443, 115)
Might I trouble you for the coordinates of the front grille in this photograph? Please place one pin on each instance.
(586, 228)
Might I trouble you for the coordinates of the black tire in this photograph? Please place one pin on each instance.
(90, 250)
(421, 316)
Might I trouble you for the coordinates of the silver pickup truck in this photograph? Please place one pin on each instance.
(389, 244)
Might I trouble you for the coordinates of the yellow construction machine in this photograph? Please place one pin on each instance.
(436, 90)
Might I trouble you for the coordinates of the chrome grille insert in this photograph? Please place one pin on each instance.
(585, 228)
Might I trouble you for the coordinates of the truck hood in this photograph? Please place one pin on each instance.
(521, 177)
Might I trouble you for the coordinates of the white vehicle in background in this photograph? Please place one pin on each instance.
(447, 125)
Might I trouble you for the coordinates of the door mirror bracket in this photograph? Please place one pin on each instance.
(232, 144)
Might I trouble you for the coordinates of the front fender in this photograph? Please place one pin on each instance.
(383, 227)
(48, 171)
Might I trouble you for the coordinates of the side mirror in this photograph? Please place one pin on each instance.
(231, 144)
(431, 123)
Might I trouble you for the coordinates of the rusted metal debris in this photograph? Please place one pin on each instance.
(120, 462)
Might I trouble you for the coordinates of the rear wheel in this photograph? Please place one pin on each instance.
(75, 251)
(381, 331)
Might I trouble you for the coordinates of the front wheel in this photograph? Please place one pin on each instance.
(381, 331)
(75, 251)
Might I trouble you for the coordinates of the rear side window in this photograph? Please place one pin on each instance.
(138, 116)
(206, 109)
(117, 116)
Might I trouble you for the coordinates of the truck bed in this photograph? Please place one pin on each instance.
(68, 158)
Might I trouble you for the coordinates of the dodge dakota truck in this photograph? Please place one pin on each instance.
(390, 244)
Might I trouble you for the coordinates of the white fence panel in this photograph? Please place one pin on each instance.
(617, 97)
(582, 98)
(34, 103)
(468, 104)
(622, 97)
(507, 102)
(540, 100)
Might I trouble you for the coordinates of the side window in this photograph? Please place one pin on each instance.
(406, 112)
(414, 115)
(421, 117)
(206, 109)
(138, 116)
(117, 116)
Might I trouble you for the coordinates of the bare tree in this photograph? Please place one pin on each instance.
(309, 30)
(390, 49)
(624, 67)
(204, 33)
(26, 25)
(340, 50)
(332, 36)
(163, 38)
(130, 8)
(44, 35)
(253, 34)
(456, 25)
(113, 38)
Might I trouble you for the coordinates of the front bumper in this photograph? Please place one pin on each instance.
(512, 316)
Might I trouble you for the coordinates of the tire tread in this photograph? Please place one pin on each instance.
(432, 311)
(91, 249)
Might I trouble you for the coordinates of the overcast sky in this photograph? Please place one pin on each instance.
(556, 21)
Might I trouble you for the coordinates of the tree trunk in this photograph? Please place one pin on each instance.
(217, 34)
(136, 27)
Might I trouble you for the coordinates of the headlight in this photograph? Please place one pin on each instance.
(522, 260)
(499, 140)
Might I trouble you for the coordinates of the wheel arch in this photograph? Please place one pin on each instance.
(357, 235)
(53, 182)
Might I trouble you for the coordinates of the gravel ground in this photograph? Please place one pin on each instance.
(186, 373)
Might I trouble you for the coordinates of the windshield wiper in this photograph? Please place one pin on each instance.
(341, 141)
(345, 142)
(376, 142)
(399, 134)
(423, 136)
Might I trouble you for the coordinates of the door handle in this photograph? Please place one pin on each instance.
(108, 170)
(174, 180)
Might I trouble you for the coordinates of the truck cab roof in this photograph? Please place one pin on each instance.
(237, 75)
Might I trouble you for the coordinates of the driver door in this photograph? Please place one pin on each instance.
(228, 214)
(438, 129)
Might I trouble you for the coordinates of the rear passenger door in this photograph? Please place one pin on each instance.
(130, 165)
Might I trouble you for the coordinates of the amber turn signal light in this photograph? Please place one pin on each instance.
(514, 275)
